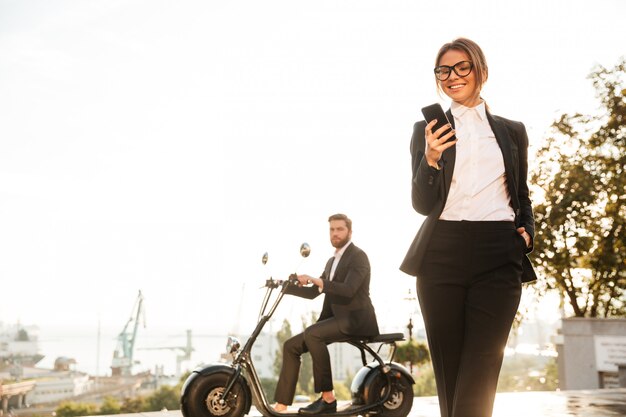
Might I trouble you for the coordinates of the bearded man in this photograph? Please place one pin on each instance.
(347, 313)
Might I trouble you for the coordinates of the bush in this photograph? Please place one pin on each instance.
(165, 397)
(425, 384)
(72, 409)
(133, 405)
(342, 390)
(110, 406)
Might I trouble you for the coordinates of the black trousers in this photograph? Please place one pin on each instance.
(469, 287)
(314, 339)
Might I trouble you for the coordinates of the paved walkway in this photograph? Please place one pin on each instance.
(587, 403)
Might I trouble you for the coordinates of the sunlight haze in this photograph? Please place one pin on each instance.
(165, 146)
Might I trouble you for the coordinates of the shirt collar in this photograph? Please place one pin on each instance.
(458, 110)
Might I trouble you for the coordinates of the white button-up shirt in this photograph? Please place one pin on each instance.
(478, 191)
(338, 254)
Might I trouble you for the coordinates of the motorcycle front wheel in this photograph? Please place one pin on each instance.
(205, 397)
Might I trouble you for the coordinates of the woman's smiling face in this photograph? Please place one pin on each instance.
(463, 90)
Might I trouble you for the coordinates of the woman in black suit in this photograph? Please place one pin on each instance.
(469, 256)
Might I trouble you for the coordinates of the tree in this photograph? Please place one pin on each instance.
(283, 334)
(580, 212)
(269, 385)
(413, 352)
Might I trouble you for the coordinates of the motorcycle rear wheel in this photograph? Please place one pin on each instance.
(205, 397)
(400, 400)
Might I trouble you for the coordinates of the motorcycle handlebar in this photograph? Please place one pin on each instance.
(275, 283)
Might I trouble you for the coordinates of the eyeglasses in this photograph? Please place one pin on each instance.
(462, 69)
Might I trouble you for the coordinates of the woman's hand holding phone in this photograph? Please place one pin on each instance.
(439, 134)
(437, 142)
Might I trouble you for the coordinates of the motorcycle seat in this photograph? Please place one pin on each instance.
(384, 338)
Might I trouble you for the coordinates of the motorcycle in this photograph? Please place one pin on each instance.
(383, 388)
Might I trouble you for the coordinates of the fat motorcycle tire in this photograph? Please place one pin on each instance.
(400, 400)
(205, 394)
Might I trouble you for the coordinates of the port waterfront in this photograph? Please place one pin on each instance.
(583, 403)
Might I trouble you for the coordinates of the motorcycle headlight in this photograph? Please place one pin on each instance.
(232, 345)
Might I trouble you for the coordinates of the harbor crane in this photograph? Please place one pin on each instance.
(184, 352)
(122, 362)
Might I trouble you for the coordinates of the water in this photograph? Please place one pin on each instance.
(153, 347)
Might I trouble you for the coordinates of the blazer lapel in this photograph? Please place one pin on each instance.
(329, 266)
(448, 157)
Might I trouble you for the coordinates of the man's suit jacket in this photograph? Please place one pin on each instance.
(430, 187)
(347, 294)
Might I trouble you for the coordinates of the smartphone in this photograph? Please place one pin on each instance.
(434, 111)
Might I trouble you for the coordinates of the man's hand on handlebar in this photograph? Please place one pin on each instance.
(307, 280)
(302, 280)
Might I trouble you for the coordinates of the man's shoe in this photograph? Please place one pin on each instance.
(318, 407)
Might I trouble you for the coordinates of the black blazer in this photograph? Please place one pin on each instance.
(347, 295)
(430, 187)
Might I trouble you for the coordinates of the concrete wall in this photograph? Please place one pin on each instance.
(578, 367)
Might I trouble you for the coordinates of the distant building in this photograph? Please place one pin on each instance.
(591, 352)
(58, 386)
(264, 353)
(19, 345)
(44, 386)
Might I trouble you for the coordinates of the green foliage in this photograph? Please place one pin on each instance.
(109, 406)
(347, 384)
(528, 373)
(183, 378)
(283, 334)
(305, 378)
(519, 373)
(72, 409)
(342, 390)
(269, 387)
(133, 405)
(165, 397)
(417, 355)
(552, 374)
(425, 384)
(413, 352)
(580, 204)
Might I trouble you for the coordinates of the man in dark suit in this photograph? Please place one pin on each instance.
(347, 312)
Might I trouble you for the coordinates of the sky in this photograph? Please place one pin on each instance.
(165, 146)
